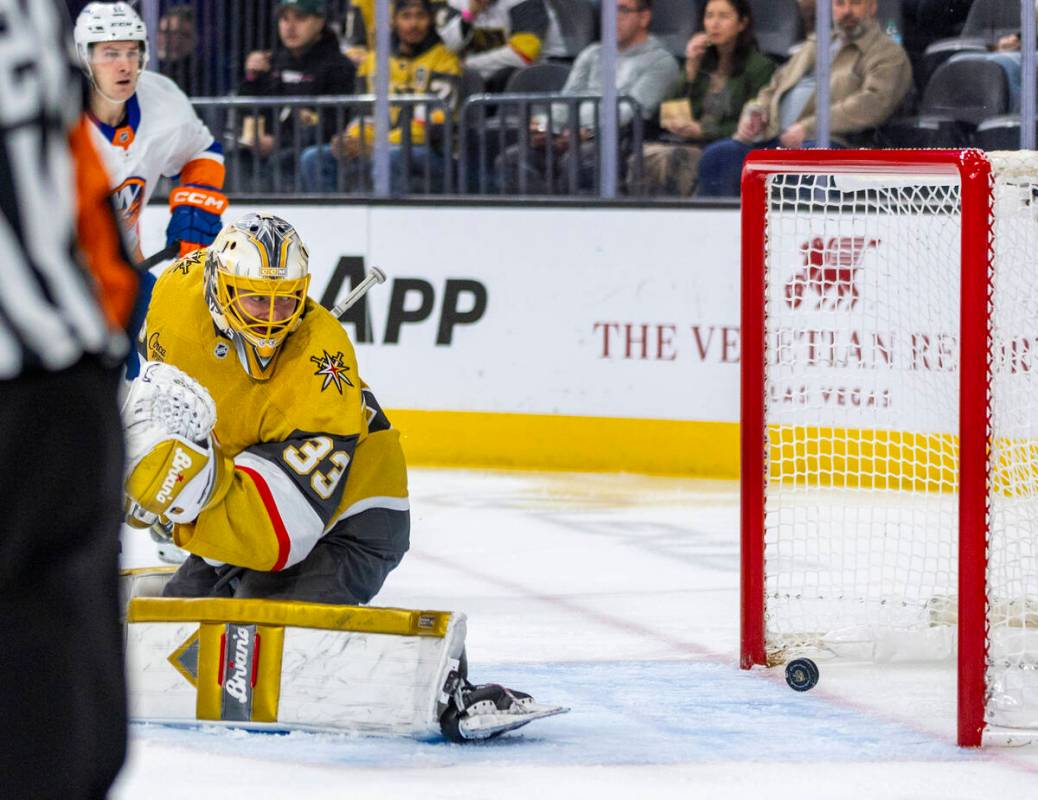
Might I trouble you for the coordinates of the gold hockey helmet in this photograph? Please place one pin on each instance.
(256, 279)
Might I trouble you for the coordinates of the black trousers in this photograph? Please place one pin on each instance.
(348, 565)
(62, 687)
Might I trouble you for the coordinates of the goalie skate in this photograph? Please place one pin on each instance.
(486, 711)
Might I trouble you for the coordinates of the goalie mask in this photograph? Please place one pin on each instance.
(109, 22)
(256, 279)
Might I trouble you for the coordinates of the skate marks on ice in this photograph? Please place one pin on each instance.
(623, 713)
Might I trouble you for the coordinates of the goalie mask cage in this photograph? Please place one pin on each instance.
(890, 417)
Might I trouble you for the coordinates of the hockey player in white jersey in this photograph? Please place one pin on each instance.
(144, 128)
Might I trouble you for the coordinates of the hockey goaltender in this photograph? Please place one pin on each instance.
(253, 445)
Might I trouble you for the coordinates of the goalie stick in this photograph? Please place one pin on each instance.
(375, 275)
(170, 251)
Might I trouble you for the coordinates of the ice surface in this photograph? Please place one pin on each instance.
(617, 596)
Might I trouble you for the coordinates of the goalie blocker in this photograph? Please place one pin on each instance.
(288, 665)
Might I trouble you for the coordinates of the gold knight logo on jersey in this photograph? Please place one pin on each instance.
(332, 370)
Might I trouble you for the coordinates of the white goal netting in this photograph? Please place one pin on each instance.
(862, 314)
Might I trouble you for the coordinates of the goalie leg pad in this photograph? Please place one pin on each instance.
(314, 666)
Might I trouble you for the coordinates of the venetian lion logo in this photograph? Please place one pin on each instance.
(830, 274)
(332, 370)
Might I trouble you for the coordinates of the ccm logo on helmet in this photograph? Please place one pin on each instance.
(181, 460)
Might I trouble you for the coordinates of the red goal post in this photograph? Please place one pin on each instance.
(872, 376)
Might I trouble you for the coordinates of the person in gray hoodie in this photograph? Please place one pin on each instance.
(645, 71)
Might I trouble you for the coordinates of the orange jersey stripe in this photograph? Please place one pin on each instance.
(100, 241)
(204, 172)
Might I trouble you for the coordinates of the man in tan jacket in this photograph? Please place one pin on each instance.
(870, 76)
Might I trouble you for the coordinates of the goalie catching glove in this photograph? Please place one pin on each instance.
(174, 464)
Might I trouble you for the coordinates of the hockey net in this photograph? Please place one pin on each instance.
(890, 417)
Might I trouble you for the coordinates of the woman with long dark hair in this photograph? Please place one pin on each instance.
(723, 70)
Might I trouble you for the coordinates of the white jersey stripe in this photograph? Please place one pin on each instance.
(301, 521)
(368, 503)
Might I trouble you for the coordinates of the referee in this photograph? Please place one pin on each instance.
(66, 292)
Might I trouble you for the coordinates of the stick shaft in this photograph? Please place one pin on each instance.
(162, 255)
(375, 275)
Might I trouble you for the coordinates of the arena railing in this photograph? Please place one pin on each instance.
(495, 135)
(300, 124)
(454, 159)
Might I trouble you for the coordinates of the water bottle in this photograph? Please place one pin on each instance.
(891, 30)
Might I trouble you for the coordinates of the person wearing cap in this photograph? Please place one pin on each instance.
(420, 64)
(306, 62)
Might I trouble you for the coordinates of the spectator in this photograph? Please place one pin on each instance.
(723, 70)
(177, 44)
(420, 64)
(1006, 53)
(497, 37)
(308, 62)
(869, 78)
(645, 71)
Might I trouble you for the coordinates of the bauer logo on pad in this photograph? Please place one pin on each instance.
(238, 671)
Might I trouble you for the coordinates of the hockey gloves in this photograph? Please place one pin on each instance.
(196, 216)
(174, 465)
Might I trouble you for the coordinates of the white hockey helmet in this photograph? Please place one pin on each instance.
(256, 279)
(109, 22)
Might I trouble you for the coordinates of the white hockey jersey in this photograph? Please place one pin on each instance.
(161, 135)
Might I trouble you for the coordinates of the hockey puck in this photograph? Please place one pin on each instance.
(801, 674)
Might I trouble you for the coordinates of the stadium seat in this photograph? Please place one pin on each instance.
(778, 26)
(577, 20)
(538, 78)
(992, 18)
(998, 133)
(471, 83)
(987, 21)
(960, 95)
(967, 90)
(674, 22)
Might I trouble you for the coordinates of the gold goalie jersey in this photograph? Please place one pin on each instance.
(310, 446)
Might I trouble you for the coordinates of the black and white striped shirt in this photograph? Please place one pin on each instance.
(49, 316)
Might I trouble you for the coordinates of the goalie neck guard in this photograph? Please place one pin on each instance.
(256, 279)
(108, 22)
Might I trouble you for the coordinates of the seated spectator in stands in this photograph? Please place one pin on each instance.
(723, 70)
(1006, 53)
(870, 77)
(645, 71)
(177, 44)
(308, 62)
(497, 37)
(420, 64)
